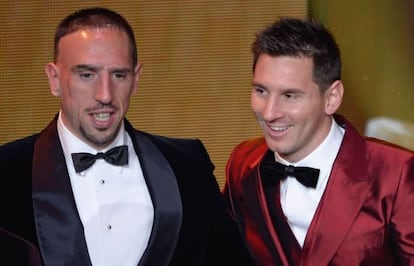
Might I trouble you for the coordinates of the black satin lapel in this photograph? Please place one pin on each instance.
(59, 229)
(166, 199)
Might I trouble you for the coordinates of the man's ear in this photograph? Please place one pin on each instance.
(52, 72)
(137, 75)
(333, 97)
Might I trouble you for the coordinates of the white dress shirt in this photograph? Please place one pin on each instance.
(298, 202)
(113, 202)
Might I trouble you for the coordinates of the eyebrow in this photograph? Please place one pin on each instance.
(256, 84)
(86, 67)
(284, 90)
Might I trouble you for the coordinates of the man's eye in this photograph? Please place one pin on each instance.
(258, 90)
(86, 75)
(291, 96)
(120, 75)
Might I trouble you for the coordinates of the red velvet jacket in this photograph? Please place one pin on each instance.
(365, 217)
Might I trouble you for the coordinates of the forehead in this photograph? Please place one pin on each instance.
(283, 66)
(95, 44)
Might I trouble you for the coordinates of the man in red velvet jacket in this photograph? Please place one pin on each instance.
(313, 191)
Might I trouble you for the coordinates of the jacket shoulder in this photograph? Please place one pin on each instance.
(18, 150)
(175, 150)
(388, 154)
(249, 151)
(181, 153)
(245, 156)
(387, 147)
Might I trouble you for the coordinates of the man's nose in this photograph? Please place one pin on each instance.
(272, 109)
(103, 92)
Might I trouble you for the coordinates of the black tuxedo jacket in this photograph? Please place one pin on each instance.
(190, 226)
(17, 251)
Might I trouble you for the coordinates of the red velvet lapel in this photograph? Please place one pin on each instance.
(345, 193)
(253, 212)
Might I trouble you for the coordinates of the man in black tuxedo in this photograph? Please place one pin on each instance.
(90, 189)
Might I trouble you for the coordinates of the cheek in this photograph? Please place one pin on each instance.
(78, 100)
(255, 104)
(124, 98)
(311, 125)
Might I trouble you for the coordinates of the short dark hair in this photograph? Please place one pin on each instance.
(302, 38)
(95, 18)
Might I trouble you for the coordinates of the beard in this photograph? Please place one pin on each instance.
(99, 138)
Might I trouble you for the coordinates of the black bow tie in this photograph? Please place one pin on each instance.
(116, 156)
(273, 171)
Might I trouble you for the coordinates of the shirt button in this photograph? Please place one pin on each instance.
(109, 227)
(102, 181)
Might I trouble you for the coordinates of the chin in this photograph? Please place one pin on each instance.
(272, 146)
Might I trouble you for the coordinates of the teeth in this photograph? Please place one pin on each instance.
(101, 117)
(279, 128)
